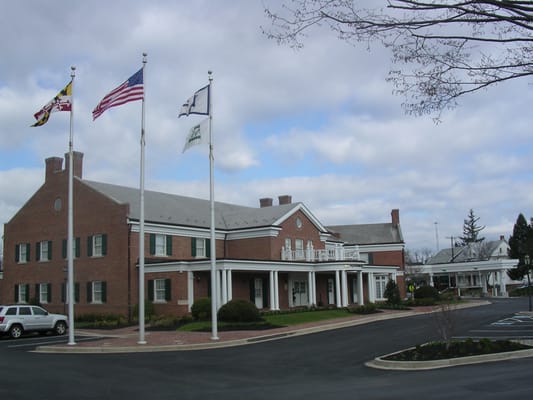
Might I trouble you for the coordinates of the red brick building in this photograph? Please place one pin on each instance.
(276, 255)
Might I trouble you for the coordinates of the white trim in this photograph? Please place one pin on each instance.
(301, 207)
(472, 266)
(271, 231)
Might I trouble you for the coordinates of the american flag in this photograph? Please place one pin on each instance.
(131, 90)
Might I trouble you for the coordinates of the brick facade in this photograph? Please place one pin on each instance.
(112, 276)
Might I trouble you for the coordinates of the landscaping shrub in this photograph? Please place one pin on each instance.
(149, 311)
(427, 301)
(369, 308)
(468, 347)
(201, 309)
(239, 311)
(426, 292)
(392, 293)
(102, 321)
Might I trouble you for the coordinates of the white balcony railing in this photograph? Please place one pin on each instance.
(312, 255)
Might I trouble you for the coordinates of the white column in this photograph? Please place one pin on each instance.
(219, 290)
(314, 287)
(230, 284)
(337, 289)
(431, 283)
(190, 290)
(310, 286)
(272, 291)
(360, 292)
(276, 291)
(224, 287)
(503, 283)
(371, 288)
(484, 283)
(344, 279)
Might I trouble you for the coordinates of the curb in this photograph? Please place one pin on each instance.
(143, 348)
(381, 363)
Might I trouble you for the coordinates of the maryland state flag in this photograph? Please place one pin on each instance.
(62, 102)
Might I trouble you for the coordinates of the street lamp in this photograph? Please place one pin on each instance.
(527, 261)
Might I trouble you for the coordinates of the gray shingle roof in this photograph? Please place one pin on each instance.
(465, 253)
(368, 233)
(188, 211)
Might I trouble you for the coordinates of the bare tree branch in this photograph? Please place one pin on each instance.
(444, 49)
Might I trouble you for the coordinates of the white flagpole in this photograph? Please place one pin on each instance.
(70, 223)
(141, 220)
(214, 280)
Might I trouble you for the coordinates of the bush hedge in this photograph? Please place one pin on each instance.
(239, 311)
(369, 308)
(426, 292)
(201, 309)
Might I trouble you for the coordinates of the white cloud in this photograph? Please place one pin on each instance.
(319, 124)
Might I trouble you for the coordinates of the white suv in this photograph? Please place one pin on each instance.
(17, 319)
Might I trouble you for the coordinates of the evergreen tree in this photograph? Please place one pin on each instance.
(471, 230)
(392, 293)
(520, 246)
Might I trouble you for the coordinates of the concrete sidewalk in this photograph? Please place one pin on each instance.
(126, 340)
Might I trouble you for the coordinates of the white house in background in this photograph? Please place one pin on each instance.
(480, 267)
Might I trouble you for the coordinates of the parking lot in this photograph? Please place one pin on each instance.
(518, 326)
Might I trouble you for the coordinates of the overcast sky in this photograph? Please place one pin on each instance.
(320, 124)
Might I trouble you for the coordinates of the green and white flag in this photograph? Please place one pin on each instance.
(197, 134)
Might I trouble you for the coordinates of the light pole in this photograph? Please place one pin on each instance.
(527, 261)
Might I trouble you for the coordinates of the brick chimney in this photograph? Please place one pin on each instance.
(77, 163)
(53, 165)
(395, 216)
(265, 202)
(284, 199)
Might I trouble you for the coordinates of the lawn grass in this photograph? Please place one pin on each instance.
(297, 318)
(272, 320)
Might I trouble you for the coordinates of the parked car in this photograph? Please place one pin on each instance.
(17, 319)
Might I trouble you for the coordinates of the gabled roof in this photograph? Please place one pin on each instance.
(173, 209)
(467, 253)
(368, 233)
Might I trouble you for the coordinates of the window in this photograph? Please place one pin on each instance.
(97, 245)
(159, 290)
(75, 248)
(38, 311)
(64, 293)
(160, 245)
(24, 311)
(96, 292)
(381, 283)
(200, 247)
(22, 253)
(22, 293)
(299, 249)
(44, 250)
(44, 292)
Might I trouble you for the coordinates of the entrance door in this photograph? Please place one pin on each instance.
(258, 290)
(299, 293)
(355, 289)
(331, 291)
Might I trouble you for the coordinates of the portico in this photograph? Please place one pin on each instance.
(472, 275)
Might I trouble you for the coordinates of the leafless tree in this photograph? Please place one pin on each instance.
(444, 320)
(415, 257)
(442, 49)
